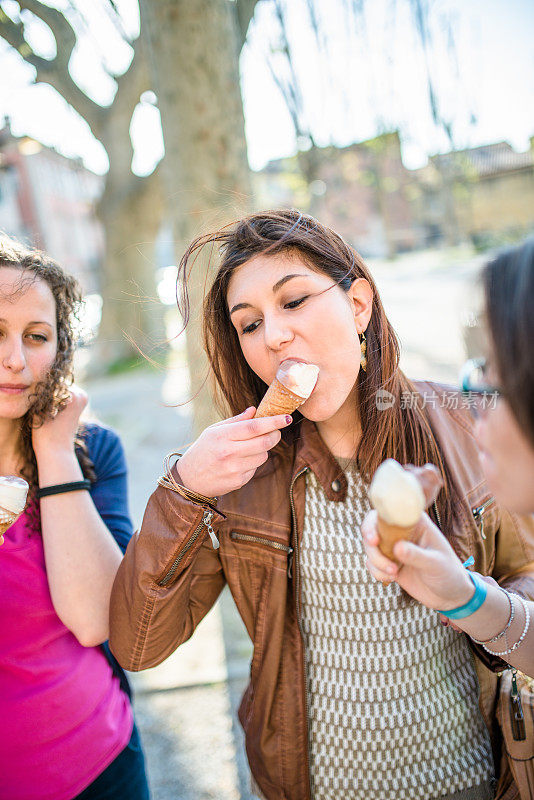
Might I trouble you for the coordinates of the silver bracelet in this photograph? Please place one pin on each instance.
(525, 629)
(505, 629)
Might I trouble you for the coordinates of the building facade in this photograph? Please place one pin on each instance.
(49, 202)
(483, 195)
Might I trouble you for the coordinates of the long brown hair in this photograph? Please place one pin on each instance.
(400, 430)
(51, 394)
(508, 282)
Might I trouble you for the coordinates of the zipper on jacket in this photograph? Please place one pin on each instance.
(438, 517)
(246, 537)
(205, 523)
(299, 618)
(517, 717)
(478, 513)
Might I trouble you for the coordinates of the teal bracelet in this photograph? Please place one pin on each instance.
(481, 590)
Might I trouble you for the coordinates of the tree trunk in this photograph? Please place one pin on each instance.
(132, 315)
(194, 46)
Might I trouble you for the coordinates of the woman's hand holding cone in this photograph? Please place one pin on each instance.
(227, 454)
(428, 569)
(404, 545)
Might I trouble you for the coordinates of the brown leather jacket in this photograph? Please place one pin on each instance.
(171, 576)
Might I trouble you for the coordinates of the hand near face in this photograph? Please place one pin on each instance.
(58, 432)
(227, 454)
(429, 570)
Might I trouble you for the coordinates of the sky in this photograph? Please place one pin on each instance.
(371, 78)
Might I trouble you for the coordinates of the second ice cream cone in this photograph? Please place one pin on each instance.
(390, 534)
(7, 518)
(278, 400)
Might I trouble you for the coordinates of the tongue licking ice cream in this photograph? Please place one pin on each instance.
(13, 493)
(293, 384)
(400, 496)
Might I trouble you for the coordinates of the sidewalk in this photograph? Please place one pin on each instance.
(186, 707)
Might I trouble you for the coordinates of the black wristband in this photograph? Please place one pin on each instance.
(60, 488)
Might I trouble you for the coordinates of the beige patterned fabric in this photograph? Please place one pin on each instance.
(393, 695)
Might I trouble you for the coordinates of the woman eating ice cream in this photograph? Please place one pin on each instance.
(66, 727)
(355, 691)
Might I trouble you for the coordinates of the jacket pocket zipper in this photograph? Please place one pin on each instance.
(206, 523)
(517, 718)
(299, 617)
(246, 537)
(478, 513)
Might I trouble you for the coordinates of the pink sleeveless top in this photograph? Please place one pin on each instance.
(63, 716)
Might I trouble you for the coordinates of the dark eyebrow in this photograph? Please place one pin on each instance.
(277, 285)
(33, 322)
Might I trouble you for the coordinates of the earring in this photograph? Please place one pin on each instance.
(363, 346)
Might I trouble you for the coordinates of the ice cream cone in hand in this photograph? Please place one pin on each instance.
(293, 384)
(13, 493)
(400, 495)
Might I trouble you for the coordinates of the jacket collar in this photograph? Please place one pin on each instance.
(312, 452)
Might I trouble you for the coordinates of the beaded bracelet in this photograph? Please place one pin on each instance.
(505, 629)
(168, 482)
(516, 645)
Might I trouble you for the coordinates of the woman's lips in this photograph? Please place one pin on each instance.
(295, 358)
(8, 388)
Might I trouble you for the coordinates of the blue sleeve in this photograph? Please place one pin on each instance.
(110, 490)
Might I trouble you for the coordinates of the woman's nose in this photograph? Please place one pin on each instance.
(276, 333)
(13, 356)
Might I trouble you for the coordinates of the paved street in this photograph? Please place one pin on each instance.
(186, 707)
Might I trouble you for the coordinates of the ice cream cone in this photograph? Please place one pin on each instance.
(13, 494)
(7, 518)
(293, 384)
(390, 534)
(400, 495)
(278, 400)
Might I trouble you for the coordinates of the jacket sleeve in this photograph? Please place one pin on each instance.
(168, 580)
(513, 568)
(514, 557)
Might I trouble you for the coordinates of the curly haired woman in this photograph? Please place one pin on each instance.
(66, 727)
(356, 691)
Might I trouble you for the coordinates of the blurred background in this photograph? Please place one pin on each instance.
(127, 128)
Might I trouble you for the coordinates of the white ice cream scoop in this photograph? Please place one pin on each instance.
(298, 377)
(293, 384)
(13, 493)
(396, 494)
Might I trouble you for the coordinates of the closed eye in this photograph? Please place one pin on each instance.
(296, 303)
(290, 305)
(250, 328)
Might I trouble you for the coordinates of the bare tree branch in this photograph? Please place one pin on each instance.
(55, 72)
(130, 85)
(289, 84)
(58, 24)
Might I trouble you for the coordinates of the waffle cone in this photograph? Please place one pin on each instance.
(390, 534)
(7, 518)
(278, 400)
